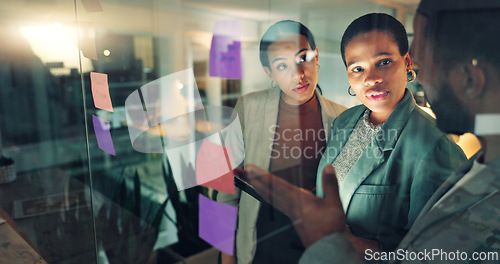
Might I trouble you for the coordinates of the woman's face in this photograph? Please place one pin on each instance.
(293, 68)
(377, 72)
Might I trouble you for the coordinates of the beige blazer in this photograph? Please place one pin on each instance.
(258, 114)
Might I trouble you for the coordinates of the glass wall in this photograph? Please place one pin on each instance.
(105, 104)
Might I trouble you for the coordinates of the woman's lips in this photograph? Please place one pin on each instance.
(301, 88)
(376, 95)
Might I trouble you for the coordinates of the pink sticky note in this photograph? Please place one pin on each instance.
(100, 91)
(213, 168)
(224, 183)
(217, 224)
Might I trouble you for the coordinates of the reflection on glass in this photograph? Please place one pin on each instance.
(72, 202)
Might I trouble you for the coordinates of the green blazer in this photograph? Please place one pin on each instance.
(397, 173)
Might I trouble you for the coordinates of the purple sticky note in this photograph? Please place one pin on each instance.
(101, 128)
(217, 224)
(225, 51)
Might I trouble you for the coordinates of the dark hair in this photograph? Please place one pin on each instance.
(459, 35)
(376, 22)
(276, 31)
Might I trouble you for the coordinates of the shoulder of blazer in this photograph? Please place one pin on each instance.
(422, 138)
(254, 101)
(426, 126)
(258, 99)
(419, 111)
(263, 94)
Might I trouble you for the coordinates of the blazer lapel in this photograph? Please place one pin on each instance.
(327, 114)
(337, 137)
(372, 157)
(270, 118)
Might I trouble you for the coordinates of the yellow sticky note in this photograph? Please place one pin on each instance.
(100, 91)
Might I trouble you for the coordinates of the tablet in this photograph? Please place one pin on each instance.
(246, 187)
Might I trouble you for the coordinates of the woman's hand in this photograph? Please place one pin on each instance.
(313, 217)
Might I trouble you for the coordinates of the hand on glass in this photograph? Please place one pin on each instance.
(313, 217)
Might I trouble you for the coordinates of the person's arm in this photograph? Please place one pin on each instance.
(318, 221)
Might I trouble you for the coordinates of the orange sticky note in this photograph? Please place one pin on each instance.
(100, 91)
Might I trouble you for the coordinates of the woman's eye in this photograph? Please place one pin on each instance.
(357, 69)
(301, 58)
(384, 62)
(307, 56)
(281, 66)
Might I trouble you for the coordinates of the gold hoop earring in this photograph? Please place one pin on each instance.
(413, 76)
(349, 91)
(273, 84)
(318, 67)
